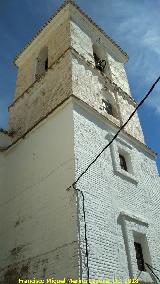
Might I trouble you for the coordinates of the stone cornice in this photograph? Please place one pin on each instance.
(131, 138)
(103, 76)
(84, 14)
(34, 125)
(128, 216)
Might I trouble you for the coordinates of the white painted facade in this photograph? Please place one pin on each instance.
(38, 229)
(118, 205)
(57, 127)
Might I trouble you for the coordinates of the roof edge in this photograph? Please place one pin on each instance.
(4, 131)
(39, 31)
(138, 143)
(65, 3)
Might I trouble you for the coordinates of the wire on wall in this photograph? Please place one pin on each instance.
(121, 128)
(85, 231)
(95, 159)
(152, 270)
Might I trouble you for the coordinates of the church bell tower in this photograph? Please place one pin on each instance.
(72, 96)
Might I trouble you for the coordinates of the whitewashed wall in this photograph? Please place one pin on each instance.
(109, 193)
(38, 227)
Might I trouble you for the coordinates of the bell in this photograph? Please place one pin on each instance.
(101, 65)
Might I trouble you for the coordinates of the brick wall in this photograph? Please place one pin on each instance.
(107, 194)
(90, 86)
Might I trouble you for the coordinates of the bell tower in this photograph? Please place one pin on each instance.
(50, 70)
(72, 96)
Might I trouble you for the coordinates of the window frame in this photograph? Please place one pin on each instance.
(135, 229)
(121, 147)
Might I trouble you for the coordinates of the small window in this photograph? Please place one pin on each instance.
(139, 256)
(41, 63)
(99, 58)
(46, 64)
(123, 163)
(107, 106)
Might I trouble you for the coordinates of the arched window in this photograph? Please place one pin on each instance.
(42, 62)
(100, 58)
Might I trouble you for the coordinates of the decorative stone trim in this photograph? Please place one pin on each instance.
(121, 147)
(133, 218)
(134, 227)
(134, 140)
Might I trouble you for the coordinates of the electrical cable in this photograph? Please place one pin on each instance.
(122, 127)
(151, 268)
(85, 231)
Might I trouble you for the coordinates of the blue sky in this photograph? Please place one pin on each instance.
(133, 24)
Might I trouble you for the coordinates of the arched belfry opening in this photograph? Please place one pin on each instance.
(41, 62)
(100, 58)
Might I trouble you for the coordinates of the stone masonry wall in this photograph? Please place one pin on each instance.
(44, 95)
(118, 74)
(91, 87)
(108, 194)
(125, 110)
(53, 88)
(57, 40)
(84, 37)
